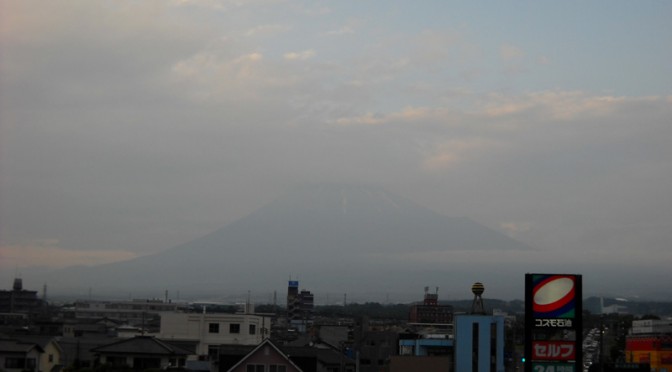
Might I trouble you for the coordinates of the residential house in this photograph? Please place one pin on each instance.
(76, 351)
(50, 359)
(18, 356)
(142, 352)
(265, 358)
(306, 358)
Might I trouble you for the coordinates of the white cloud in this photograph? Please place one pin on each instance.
(513, 229)
(268, 30)
(453, 153)
(559, 105)
(300, 56)
(556, 105)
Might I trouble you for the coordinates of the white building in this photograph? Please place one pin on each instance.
(212, 330)
(647, 326)
(134, 311)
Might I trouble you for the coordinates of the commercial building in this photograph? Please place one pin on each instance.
(469, 342)
(133, 312)
(430, 311)
(650, 342)
(479, 343)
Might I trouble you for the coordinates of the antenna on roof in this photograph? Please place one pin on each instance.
(247, 305)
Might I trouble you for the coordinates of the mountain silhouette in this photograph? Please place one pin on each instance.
(334, 234)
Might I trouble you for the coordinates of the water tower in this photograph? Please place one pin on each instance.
(477, 306)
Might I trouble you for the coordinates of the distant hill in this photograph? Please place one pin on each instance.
(339, 236)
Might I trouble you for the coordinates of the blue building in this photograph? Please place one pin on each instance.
(425, 346)
(479, 343)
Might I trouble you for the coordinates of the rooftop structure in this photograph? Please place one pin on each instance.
(430, 312)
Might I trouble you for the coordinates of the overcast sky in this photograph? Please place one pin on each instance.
(129, 127)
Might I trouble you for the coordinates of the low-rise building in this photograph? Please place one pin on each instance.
(141, 353)
(50, 358)
(307, 358)
(19, 356)
(211, 330)
(650, 342)
(265, 357)
(134, 312)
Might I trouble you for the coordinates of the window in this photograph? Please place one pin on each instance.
(277, 368)
(173, 362)
(213, 328)
(256, 368)
(146, 363)
(116, 361)
(20, 363)
(234, 328)
(253, 329)
(51, 358)
(15, 363)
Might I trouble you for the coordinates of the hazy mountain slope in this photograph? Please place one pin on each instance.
(328, 230)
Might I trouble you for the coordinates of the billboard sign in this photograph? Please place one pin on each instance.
(553, 326)
(553, 350)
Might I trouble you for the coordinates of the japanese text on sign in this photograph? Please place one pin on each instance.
(557, 323)
(553, 350)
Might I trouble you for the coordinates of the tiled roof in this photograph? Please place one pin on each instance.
(141, 345)
(14, 346)
(43, 341)
(272, 345)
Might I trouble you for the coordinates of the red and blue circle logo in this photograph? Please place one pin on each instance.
(553, 296)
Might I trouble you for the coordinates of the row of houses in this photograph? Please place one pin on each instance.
(187, 341)
(149, 334)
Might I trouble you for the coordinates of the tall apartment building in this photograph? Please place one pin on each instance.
(19, 300)
(300, 305)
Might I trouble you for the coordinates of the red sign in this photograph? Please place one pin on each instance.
(553, 350)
